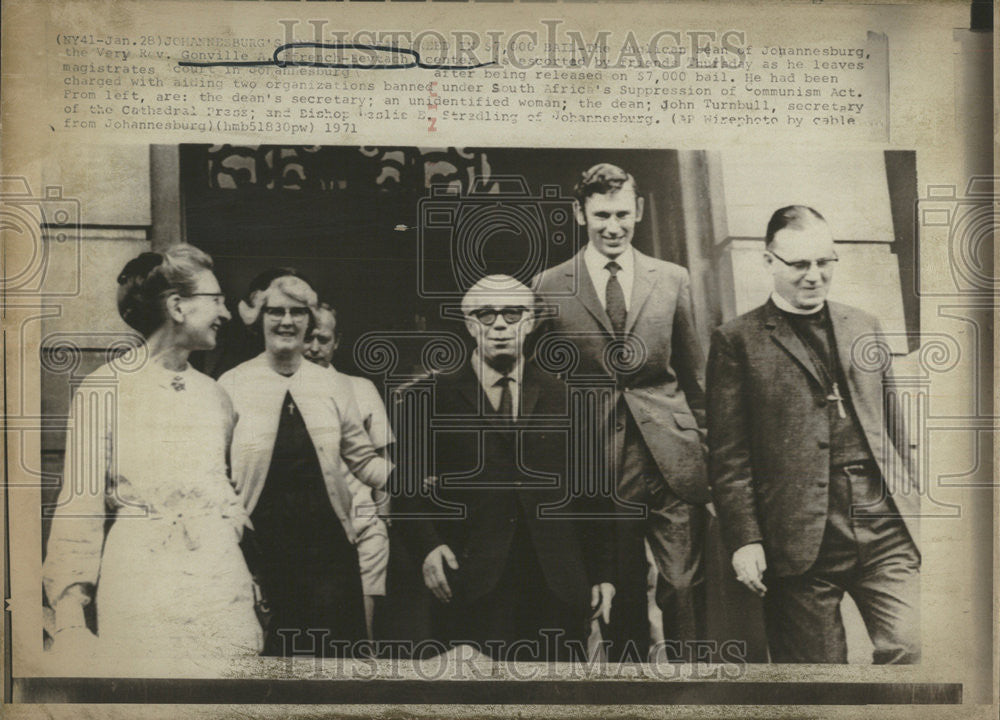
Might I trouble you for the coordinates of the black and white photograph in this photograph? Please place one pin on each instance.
(546, 403)
(497, 362)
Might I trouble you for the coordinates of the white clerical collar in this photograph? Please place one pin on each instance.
(488, 376)
(789, 308)
(596, 260)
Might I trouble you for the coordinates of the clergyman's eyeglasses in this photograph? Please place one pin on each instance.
(803, 266)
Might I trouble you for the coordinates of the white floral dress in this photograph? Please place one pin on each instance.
(150, 446)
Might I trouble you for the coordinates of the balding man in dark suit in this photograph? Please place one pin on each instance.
(504, 538)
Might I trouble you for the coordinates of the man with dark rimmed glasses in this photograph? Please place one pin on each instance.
(502, 570)
(808, 469)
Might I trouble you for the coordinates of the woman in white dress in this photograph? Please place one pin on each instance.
(148, 447)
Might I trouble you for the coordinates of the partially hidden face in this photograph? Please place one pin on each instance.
(322, 341)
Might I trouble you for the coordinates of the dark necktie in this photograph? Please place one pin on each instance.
(506, 409)
(614, 299)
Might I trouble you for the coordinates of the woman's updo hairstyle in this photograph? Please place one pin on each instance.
(145, 282)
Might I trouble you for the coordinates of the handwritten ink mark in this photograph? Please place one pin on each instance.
(277, 61)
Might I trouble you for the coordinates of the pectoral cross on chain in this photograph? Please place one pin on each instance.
(834, 396)
(291, 406)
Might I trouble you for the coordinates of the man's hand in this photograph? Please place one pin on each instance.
(600, 601)
(434, 577)
(749, 564)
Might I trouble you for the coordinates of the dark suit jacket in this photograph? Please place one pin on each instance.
(663, 392)
(769, 430)
(486, 469)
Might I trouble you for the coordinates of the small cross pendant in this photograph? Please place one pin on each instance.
(291, 408)
(834, 396)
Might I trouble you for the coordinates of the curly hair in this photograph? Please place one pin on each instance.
(602, 179)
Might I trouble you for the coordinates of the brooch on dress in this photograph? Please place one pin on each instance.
(178, 383)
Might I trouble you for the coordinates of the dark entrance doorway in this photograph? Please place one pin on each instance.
(350, 219)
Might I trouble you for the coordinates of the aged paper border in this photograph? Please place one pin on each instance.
(930, 129)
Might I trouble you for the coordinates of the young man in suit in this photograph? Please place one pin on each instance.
(629, 319)
(809, 472)
(505, 546)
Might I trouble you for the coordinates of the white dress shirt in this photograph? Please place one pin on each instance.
(488, 378)
(595, 261)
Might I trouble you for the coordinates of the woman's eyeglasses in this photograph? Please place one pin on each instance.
(219, 298)
(278, 313)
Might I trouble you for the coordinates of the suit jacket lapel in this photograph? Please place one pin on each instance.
(471, 391)
(844, 335)
(529, 390)
(580, 285)
(643, 280)
(783, 334)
